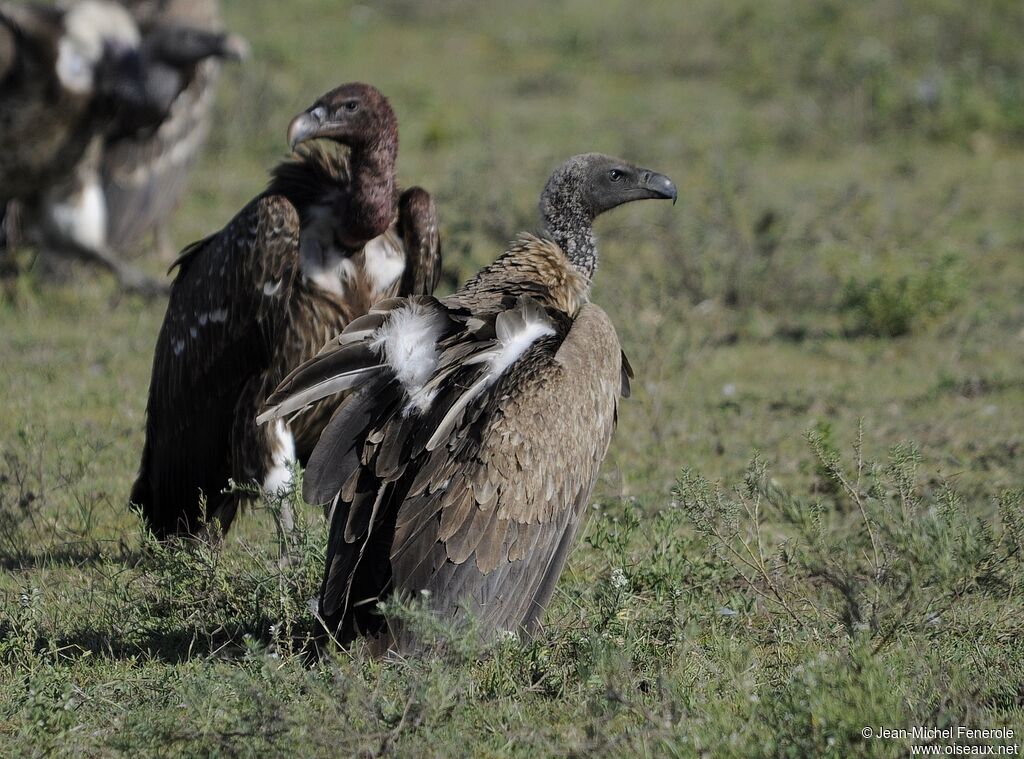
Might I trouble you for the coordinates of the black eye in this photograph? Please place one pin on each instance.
(352, 106)
(615, 175)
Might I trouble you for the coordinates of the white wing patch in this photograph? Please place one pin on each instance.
(80, 216)
(516, 330)
(408, 344)
(514, 338)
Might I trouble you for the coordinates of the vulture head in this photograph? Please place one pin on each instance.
(98, 53)
(592, 183)
(586, 186)
(356, 115)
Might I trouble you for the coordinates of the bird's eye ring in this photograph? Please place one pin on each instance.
(352, 106)
(615, 175)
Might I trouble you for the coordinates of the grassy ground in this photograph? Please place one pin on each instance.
(811, 520)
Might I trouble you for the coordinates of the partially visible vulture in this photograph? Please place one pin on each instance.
(328, 238)
(461, 462)
(144, 172)
(66, 76)
(142, 101)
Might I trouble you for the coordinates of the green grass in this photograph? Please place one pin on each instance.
(810, 520)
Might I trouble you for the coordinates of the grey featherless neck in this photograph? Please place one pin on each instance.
(568, 220)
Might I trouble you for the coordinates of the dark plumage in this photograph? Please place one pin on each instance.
(330, 236)
(464, 457)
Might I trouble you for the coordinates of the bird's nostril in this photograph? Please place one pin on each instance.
(647, 176)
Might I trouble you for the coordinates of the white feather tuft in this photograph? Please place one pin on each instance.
(79, 216)
(90, 25)
(279, 478)
(384, 261)
(516, 330)
(515, 342)
(408, 344)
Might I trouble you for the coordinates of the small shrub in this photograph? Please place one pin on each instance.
(883, 305)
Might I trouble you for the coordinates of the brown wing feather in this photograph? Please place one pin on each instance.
(417, 224)
(226, 310)
(488, 528)
(540, 450)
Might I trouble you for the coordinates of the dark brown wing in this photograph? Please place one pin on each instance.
(228, 305)
(417, 224)
(8, 47)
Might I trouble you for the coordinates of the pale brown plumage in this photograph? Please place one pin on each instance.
(462, 461)
(256, 299)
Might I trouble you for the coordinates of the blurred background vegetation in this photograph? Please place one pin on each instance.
(843, 275)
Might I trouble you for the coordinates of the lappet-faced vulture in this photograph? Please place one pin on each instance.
(330, 236)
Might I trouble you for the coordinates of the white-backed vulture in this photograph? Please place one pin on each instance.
(461, 463)
(329, 237)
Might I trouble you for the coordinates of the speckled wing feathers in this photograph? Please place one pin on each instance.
(223, 321)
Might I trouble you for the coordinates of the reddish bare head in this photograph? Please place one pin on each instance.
(354, 114)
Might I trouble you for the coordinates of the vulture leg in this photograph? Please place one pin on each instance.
(7, 268)
(165, 249)
(10, 237)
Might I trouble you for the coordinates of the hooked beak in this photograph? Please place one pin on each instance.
(311, 124)
(303, 127)
(658, 186)
(234, 47)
